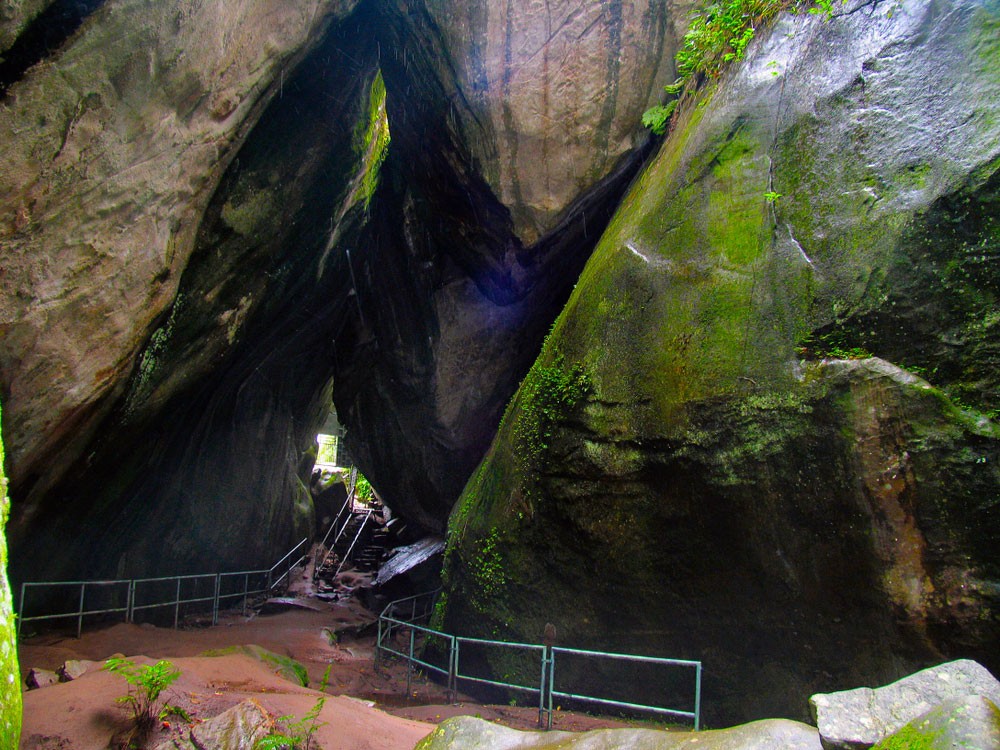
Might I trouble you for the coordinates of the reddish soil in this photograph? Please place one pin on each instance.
(83, 715)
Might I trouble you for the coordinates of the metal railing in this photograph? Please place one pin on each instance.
(545, 689)
(349, 507)
(131, 595)
(350, 549)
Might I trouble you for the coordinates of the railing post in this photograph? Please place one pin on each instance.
(697, 697)
(129, 600)
(551, 684)
(409, 666)
(20, 612)
(246, 592)
(177, 603)
(79, 619)
(452, 670)
(215, 599)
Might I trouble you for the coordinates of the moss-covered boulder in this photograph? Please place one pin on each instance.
(971, 722)
(10, 684)
(761, 434)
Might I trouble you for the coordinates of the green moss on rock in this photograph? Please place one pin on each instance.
(285, 666)
(10, 685)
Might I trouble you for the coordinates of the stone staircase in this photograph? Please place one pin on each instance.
(360, 544)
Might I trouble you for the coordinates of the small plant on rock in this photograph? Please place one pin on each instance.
(146, 683)
(299, 732)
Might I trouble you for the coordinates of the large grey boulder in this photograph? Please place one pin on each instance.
(859, 718)
(239, 728)
(468, 732)
(704, 422)
(972, 722)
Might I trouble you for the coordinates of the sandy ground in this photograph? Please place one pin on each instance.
(82, 714)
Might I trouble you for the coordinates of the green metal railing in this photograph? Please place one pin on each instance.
(131, 595)
(545, 689)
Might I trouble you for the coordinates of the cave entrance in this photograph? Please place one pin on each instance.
(331, 454)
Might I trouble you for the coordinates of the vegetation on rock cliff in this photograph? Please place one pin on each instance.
(10, 685)
(718, 35)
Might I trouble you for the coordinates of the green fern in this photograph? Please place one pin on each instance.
(719, 34)
(300, 732)
(146, 683)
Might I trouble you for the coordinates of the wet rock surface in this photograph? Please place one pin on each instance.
(708, 424)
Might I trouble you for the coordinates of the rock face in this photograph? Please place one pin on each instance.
(862, 717)
(209, 233)
(706, 461)
(493, 199)
(556, 95)
(122, 138)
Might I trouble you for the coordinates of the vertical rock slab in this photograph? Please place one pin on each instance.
(515, 131)
(706, 461)
(213, 420)
(10, 683)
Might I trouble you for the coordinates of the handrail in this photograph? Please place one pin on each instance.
(288, 554)
(347, 555)
(546, 690)
(348, 502)
(175, 600)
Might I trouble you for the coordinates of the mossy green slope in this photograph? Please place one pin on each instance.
(10, 684)
(713, 487)
(285, 666)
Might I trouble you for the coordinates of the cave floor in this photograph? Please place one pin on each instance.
(82, 713)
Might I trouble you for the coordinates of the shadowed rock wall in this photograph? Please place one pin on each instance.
(485, 109)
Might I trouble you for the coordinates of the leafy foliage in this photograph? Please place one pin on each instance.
(656, 118)
(719, 34)
(146, 683)
(363, 488)
(487, 568)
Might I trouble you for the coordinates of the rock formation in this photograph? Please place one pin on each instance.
(761, 433)
(218, 216)
(513, 136)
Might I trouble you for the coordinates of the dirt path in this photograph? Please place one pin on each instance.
(82, 714)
